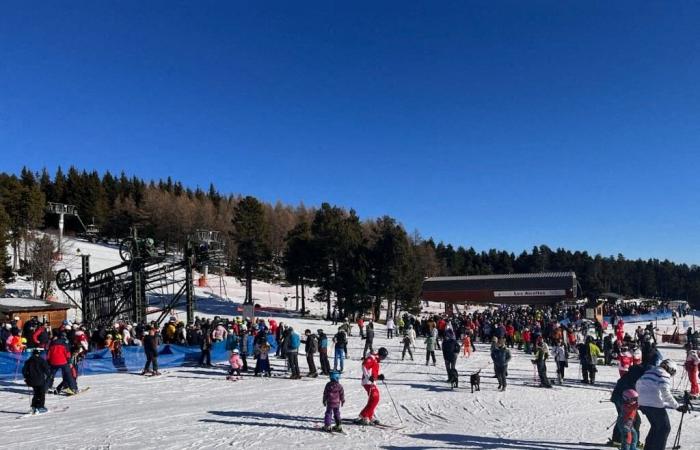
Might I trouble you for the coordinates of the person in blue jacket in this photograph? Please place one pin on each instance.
(292, 342)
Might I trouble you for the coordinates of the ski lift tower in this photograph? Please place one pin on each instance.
(62, 209)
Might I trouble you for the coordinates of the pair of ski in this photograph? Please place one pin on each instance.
(34, 414)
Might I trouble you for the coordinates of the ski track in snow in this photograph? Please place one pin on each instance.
(196, 408)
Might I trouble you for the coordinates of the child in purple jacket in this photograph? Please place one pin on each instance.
(333, 399)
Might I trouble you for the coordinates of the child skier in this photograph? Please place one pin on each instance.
(467, 345)
(333, 399)
(371, 372)
(263, 363)
(234, 373)
(625, 422)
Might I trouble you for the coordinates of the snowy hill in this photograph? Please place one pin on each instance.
(193, 407)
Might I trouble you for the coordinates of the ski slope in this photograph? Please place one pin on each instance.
(195, 408)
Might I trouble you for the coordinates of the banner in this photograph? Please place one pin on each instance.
(132, 359)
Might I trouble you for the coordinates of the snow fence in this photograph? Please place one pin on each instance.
(132, 359)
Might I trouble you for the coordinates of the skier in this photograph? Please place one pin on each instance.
(627, 381)
(406, 347)
(244, 348)
(371, 371)
(624, 360)
(333, 399)
(654, 388)
(625, 422)
(311, 347)
(323, 352)
(234, 373)
(500, 355)
(36, 374)
(691, 366)
(59, 359)
(340, 340)
(205, 346)
(150, 348)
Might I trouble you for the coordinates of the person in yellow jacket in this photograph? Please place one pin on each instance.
(588, 354)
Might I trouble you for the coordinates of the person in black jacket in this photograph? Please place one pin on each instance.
(36, 373)
(150, 348)
(450, 351)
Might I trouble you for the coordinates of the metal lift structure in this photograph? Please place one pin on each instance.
(121, 292)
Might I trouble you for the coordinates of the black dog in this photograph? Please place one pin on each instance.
(475, 380)
(453, 378)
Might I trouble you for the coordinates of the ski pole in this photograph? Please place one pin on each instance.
(611, 425)
(392, 401)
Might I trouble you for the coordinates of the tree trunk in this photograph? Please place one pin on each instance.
(296, 298)
(328, 304)
(248, 286)
(303, 299)
(389, 311)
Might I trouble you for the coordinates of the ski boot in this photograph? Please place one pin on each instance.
(327, 428)
(337, 428)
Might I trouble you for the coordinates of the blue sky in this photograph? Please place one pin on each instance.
(491, 124)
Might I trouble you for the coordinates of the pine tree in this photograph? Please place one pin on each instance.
(5, 267)
(249, 235)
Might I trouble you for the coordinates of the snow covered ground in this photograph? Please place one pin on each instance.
(197, 408)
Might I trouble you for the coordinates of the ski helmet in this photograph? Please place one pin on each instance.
(630, 395)
(335, 375)
(669, 366)
(235, 351)
(383, 353)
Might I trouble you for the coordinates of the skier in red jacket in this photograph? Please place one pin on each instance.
(58, 358)
(371, 371)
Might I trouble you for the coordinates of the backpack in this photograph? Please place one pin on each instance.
(340, 338)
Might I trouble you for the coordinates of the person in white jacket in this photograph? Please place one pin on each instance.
(390, 327)
(654, 388)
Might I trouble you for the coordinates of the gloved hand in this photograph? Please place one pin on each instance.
(682, 409)
(381, 377)
(371, 379)
(324, 403)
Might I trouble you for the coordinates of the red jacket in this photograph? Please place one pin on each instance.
(370, 367)
(58, 353)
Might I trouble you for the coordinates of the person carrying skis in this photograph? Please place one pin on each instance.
(371, 371)
(654, 388)
(333, 399)
(691, 367)
(36, 374)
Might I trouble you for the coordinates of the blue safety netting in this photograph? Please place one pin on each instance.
(650, 317)
(132, 359)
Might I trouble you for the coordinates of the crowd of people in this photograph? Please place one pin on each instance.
(551, 334)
